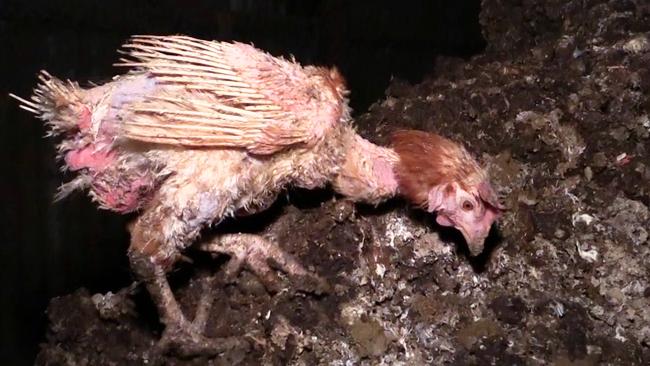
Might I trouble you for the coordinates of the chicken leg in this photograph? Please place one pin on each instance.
(180, 335)
(151, 257)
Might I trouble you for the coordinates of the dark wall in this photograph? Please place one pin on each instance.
(51, 249)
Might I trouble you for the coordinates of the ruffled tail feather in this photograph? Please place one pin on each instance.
(51, 102)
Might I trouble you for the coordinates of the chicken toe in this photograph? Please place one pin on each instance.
(262, 257)
(184, 339)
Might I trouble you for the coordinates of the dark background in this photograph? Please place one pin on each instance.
(50, 249)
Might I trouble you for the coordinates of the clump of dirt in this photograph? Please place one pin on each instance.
(558, 107)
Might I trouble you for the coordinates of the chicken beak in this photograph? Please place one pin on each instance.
(476, 231)
(475, 244)
(475, 239)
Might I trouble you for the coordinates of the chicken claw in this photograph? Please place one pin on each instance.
(255, 252)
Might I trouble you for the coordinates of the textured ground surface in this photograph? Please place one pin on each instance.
(559, 108)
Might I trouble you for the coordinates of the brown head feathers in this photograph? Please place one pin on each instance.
(427, 160)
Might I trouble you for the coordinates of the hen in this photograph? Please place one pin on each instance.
(200, 131)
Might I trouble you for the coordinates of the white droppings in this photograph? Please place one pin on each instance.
(618, 335)
(380, 270)
(590, 255)
(557, 308)
(396, 229)
(582, 217)
(637, 45)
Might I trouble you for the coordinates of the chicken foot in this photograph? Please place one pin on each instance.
(255, 252)
(180, 335)
(246, 250)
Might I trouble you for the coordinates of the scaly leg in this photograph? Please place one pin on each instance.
(252, 251)
(179, 335)
(255, 251)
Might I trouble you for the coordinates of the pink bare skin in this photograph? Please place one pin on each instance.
(465, 211)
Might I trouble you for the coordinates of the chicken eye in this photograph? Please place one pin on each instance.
(467, 206)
